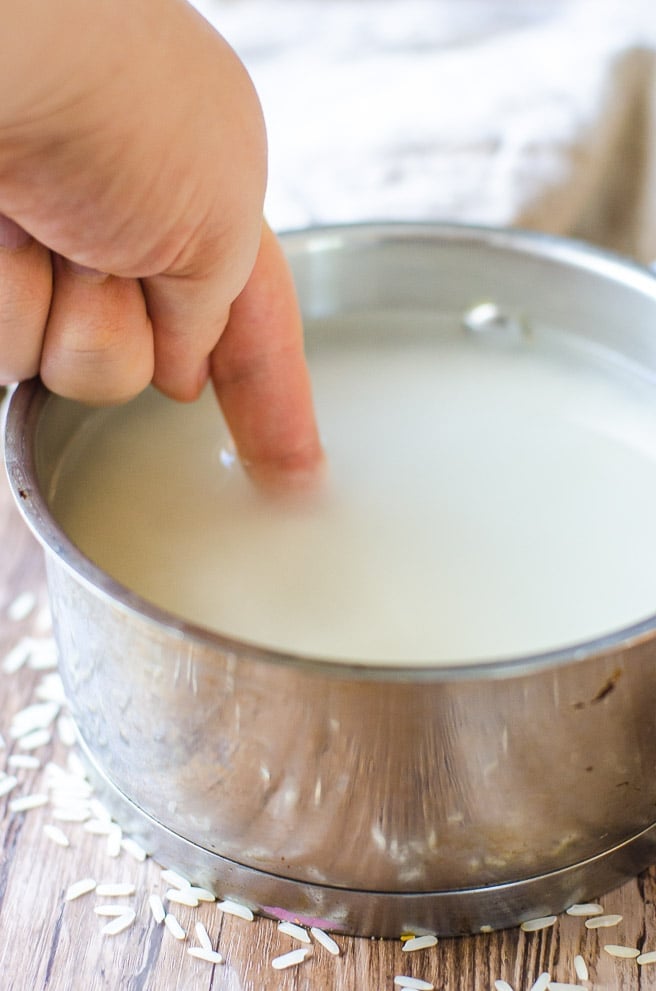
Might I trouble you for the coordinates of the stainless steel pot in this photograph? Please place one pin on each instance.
(372, 799)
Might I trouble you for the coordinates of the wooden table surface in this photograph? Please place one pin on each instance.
(49, 943)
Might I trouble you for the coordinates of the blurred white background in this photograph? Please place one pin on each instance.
(539, 113)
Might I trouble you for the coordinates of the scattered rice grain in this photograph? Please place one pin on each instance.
(581, 968)
(603, 921)
(71, 814)
(535, 925)
(134, 849)
(21, 607)
(645, 958)
(157, 908)
(202, 894)
(291, 959)
(502, 986)
(43, 656)
(625, 952)
(17, 656)
(7, 784)
(201, 953)
(75, 766)
(236, 908)
(203, 936)
(542, 983)
(181, 896)
(325, 940)
(32, 741)
(98, 810)
(174, 926)
(27, 761)
(119, 889)
(417, 984)
(38, 715)
(27, 802)
(296, 932)
(98, 827)
(119, 924)
(112, 911)
(56, 834)
(586, 908)
(174, 879)
(66, 731)
(79, 888)
(114, 840)
(419, 943)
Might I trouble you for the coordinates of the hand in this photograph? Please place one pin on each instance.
(133, 168)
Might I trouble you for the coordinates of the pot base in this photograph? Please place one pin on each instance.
(377, 913)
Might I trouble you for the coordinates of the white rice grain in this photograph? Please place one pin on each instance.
(38, 715)
(296, 932)
(119, 924)
(603, 921)
(202, 953)
(535, 925)
(71, 813)
(235, 908)
(203, 936)
(66, 730)
(134, 849)
(174, 926)
(182, 896)
(56, 834)
(43, 655)
(21, 607)
(27, 802)
(114, 840)
(157, 908)
(417, 984)
(174, 879)
(581, 968)
(32, 741)
(624, 952)
(419, 943)
(645, 958)
(75, 766)
(51, 689)
(587, 908)
(14, 660)
(291, 959)
(26, 761)
(118, 889)
(79, 888)
(502, 986)
(98, 810)
(98, 827)
(202, 894)
(7, 784)
(542, 983)
(326, 941)
(112, 911)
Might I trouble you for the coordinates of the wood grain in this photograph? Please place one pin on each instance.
(46, 943)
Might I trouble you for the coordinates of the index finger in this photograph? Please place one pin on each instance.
(261, 378)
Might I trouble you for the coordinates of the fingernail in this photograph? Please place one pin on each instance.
(85, 272)
(12, 236)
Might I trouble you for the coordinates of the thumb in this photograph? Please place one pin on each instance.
(261, 378)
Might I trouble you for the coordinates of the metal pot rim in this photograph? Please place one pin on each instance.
(30, 398)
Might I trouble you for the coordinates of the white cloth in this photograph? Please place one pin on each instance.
(536, 113)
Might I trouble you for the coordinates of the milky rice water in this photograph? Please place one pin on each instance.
(486, 498)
